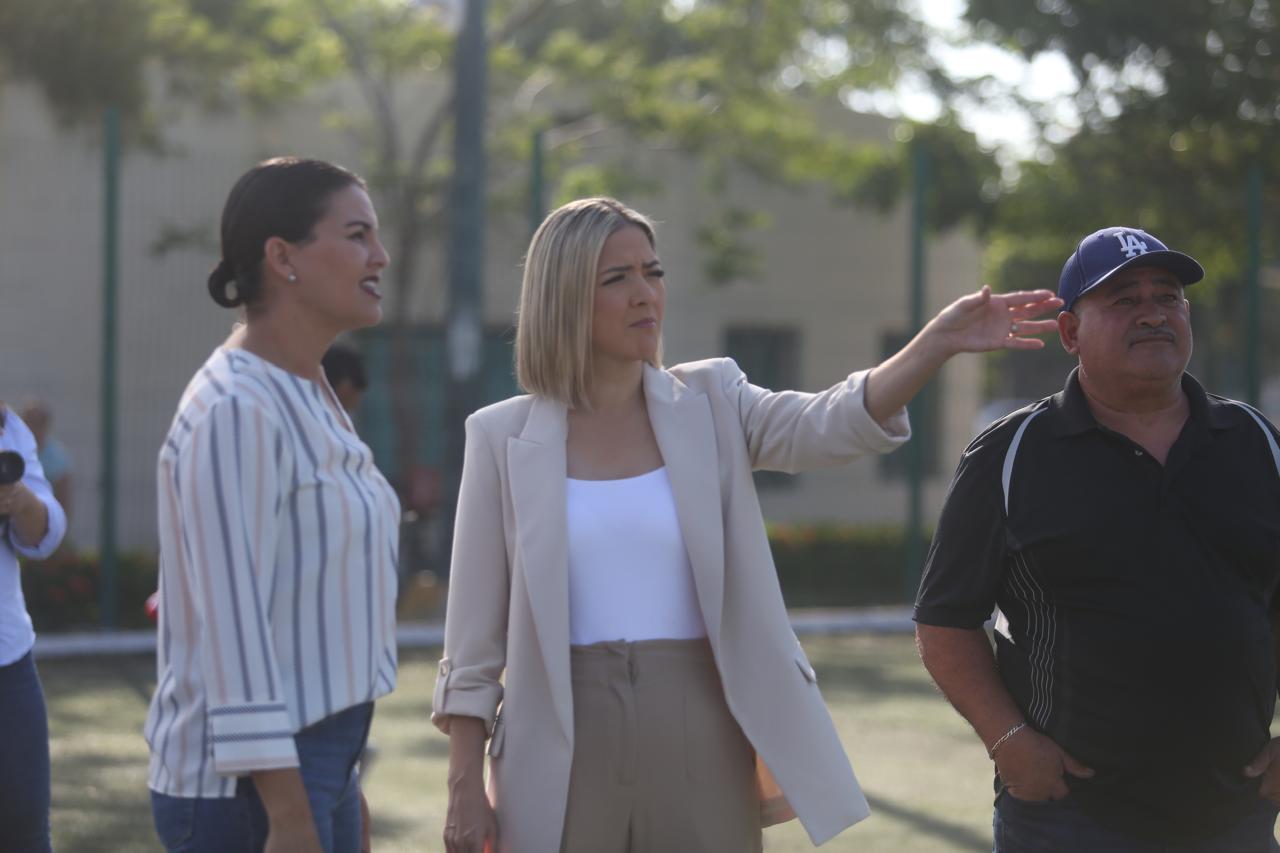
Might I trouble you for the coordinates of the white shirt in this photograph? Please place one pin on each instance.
(16, 634)
(629, 574)
(278, 548)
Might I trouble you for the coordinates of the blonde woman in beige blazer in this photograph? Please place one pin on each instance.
(602, 411)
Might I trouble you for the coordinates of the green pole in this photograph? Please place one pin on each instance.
(537, 181)
(464, 329)
(110, 287)
(915, 448)
(1253, 298)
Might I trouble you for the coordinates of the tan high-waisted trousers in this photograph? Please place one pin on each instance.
(659, 763)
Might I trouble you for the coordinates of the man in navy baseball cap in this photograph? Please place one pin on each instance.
(1125, 532)
(1108, 251)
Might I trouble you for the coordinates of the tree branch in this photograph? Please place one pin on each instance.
(518, 19)
(575, 129)
(436, 121)
(376, 90)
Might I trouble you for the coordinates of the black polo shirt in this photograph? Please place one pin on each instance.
(1133, 599)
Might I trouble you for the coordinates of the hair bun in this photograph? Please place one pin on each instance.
(219, 279)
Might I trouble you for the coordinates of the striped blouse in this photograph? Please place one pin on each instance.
(278, 547)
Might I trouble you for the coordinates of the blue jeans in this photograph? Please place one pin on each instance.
(24, 760)
(327, 751)
(1062, 827)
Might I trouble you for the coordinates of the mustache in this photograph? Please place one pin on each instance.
(1153, 334)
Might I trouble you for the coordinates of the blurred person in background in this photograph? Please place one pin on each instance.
(54, 457)
(32, 524)
(615, 629)
(278, 539)
(344, 369)
(1127, 532)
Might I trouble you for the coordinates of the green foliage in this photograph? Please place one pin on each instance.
(840, 566)
(1178, 100)
(65, 47)
(818, 566)
(1175, 60)
(583, 181)
(732, 82)
(735, 83)
(726, 244)
(85, 55)
(963, 181)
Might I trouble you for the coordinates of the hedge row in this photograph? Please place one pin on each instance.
(842, 566)
(64, 592)
(818, 566)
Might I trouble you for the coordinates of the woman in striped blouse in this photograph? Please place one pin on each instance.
(278, 538)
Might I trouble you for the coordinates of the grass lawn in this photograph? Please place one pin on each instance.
(925, 774)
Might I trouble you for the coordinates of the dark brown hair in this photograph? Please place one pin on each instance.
(282, 197)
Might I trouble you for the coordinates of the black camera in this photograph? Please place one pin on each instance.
(12, 467)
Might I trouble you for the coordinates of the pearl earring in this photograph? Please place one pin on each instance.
(293, 276)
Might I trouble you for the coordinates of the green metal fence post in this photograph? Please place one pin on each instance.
(1253, 297)
(537, 181)
(110, 287)
(912, 533)
(464, 331)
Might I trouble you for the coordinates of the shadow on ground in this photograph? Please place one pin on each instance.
(926, 824)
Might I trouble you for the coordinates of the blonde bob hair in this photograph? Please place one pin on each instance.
(557, 297)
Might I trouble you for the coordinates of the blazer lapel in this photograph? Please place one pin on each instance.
(537, 470)
(682, 423)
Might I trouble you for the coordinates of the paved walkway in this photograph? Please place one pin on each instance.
(417, 635)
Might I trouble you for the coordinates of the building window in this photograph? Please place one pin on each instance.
(926, 422)
(770, 356)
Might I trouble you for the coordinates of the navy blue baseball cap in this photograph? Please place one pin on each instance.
(1106, 252)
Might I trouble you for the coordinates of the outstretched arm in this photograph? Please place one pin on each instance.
(979, 322)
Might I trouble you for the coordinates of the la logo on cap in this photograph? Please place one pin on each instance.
(1131, 244)
(1096, 259)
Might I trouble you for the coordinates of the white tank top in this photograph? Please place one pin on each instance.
(629, 573)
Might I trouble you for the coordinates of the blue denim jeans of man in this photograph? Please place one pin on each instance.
(1062, 827)
(24, 760)
(327, 751)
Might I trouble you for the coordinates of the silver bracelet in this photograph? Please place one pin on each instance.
(991, 753)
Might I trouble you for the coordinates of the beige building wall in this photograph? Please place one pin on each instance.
(837, 275)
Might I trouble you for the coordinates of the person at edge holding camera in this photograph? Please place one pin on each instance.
(32, 525)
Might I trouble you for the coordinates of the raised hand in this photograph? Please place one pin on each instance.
(986, 321)
(978, 322)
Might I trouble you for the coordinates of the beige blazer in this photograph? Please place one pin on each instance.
(508, 612)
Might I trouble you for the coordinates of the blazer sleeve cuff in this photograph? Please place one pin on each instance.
(464, 692)
(879, 437)
(251, 737)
